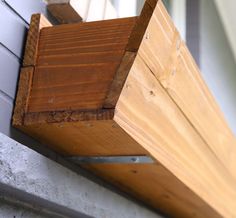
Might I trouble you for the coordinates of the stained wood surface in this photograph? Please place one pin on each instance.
(157, 105)
(64, 13)
(155, 186)
(147, 113)
(74, 11)
(168, 58)
(91, 138)
(38, 21)
(166, 106)
(135, 39)
(22, 99)
(89, 53)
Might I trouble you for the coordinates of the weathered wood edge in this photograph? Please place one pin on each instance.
(38, 21)
(64, 13)
(68, 116)
(141, 25)
(119, 80)
(132, 47)
(24, 88)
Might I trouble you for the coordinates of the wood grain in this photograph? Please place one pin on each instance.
(64, 13)
(132, 47)
(90, 56)
(84, 138)
(143, 96)
(38, 21)
(150, 116)
(170, 61)
(73, 11)
(22, 99)
(163, 191)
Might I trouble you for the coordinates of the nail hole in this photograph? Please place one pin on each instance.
(134, 171)
(152, 93)
(147, 36)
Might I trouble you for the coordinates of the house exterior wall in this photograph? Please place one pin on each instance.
(32, 185)
(217, 61)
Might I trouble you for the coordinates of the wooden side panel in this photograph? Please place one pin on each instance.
(85, 138)
(171, 63)
(155, 186)
(76, 64)
(148, 114)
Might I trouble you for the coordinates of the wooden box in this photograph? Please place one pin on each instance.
(130, 88)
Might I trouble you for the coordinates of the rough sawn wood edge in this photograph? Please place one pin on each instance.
(132, 47)
(38, 21)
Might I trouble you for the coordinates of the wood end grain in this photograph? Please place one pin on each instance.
(25, 83)
(38, 21)
(119, 79)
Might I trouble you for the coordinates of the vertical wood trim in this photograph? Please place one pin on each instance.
(22, 99)
(119, 79)
(134, 42)
(141, 26)
(38, 21)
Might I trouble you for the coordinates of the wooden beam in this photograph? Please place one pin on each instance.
(68, 11)
(132, 88)
(73, 11)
